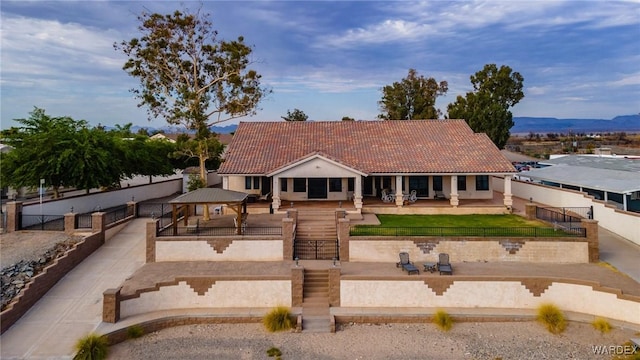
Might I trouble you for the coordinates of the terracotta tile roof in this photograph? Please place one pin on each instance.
(373, 147)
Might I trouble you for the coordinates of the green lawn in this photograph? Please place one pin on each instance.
(458, 221)
(457, 225)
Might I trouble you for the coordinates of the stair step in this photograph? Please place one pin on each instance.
(316, 325)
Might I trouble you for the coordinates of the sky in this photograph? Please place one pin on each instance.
(330, 59)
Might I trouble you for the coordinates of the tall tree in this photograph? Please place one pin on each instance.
(60, 150)
(189, 76)
(295, 115)
(486, 108)
(413, 98)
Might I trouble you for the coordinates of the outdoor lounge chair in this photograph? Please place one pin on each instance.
(439, 195)
(193, 225)
(444, 266)
(406, 264)
(413, 196)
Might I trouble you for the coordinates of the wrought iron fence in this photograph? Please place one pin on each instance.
(217, 231)
(84, 221)
(373, 230)
(153, 210)
(564, 217)
(316, 249)
(41, 222)
(116, 214)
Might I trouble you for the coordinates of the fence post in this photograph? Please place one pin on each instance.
(151, 241)
(132, 209)
(111, 305)
(287, 238)
(98, 224)
(530, 211)
(70, 223)
(343, 238)
(591, 228)
(14, 211)
(297, 285)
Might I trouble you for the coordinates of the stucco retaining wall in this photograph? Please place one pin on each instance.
(213, 250)
(538, 250)
(506, 294)
(219, 294)
(623, 223)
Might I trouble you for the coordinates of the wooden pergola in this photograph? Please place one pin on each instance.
(234, 200)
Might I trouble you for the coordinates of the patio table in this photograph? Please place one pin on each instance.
(430, 267)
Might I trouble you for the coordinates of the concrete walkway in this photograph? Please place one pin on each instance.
(619, 252)
(73, 307)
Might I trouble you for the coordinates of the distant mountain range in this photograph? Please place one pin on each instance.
(624, 123)
(523, 125)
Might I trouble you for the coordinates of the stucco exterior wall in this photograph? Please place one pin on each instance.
(238, 250)
(490, 294)
(221, 294)
(482, 249)
(623, 223)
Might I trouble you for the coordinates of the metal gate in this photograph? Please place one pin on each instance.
(316, 249)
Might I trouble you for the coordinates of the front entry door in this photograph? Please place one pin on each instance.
(317, 188)
(266, 185)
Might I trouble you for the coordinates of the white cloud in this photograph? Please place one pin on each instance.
(627, 80)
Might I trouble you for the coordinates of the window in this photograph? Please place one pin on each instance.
(482, 182)
(420, 184)
(437, 183)
(386, 182)
(335, 185)
(299, 185)
(462, 183)
(256, 182)
(247, 182)
(283, 184)
(351, 184)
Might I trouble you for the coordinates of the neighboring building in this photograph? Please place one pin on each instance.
(348, 160)
(614, 179)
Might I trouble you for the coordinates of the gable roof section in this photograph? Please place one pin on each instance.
(309, 157)
(373, 147)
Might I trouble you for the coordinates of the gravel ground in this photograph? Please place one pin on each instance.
(510, 340)
(27, 245)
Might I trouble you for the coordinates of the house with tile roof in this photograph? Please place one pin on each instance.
(351, 160)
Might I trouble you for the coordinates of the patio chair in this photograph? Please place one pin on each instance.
(413, 196)
(193, 225)
(444, 266)
(406, 264)
(387, 197)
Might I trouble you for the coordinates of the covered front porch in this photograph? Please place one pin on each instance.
(375, 205)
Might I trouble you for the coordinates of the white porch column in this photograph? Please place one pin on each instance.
(624, 201)
(399, 199)
(454, 191)
(508, 201)
(225, 182)
(275, 199)
(357, 193)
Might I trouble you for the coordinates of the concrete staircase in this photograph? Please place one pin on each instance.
(315, 302)
(316, 225)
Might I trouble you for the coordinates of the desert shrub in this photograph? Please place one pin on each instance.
(135, 331)
(601, 325)
(274, 352)
(443, 320)
(278, 319)
(91, 347)
(552, 318)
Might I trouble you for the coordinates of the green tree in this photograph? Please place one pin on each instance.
(60, 150)
(93, 160)
(413, 98)
(486, 108)
(295, 115)
(189, 76)
(346, 118)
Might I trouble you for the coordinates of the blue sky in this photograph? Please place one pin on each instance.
(579, 59)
